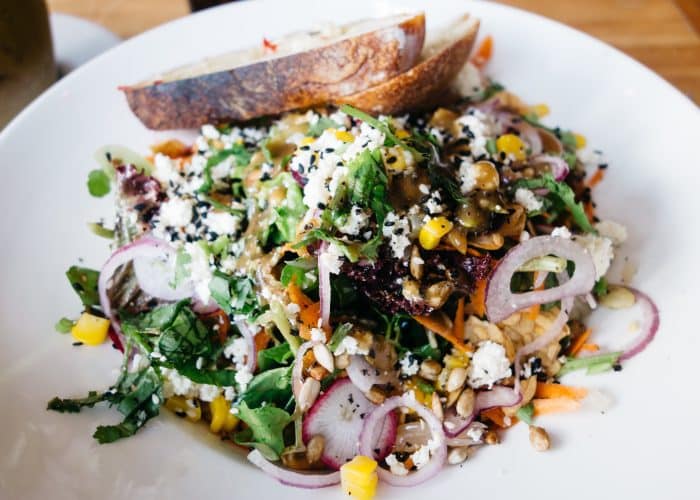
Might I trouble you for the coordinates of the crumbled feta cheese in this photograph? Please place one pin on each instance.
(331, 258)
(397, 230)
(489, 364)
(222, 222)
(561, 232)
(433, 205)
(318, 335)
(349, 345)
(397, 468)
(357, 219)
(617, 233)
(527, 199)
(601, 251)
(165, 170)
(237, 351)
(176, 212)
(208, 392)
(421, 456)
(409, 365)
(200, 272)
(424, 188)
(201, 144)
(229, 393)
(175, 384)
(467, 176)
(478, 128)
(340, 118)
(369, 138)
(222, 170)
(210, 132)
(475, 431)
(243, 378)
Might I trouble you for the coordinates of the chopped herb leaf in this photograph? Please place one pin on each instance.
(84, 282)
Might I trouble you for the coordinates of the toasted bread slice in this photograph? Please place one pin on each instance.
(424, 84)
(297, 71)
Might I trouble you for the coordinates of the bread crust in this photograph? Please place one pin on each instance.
(304, 79)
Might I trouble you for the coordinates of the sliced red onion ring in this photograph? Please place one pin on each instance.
(560, 169)
(463, 438)
(498, 396)
(648, 328)
(438, 436)
(293, 478)
(297, 378)
(364, 375)
(247, 332)
(145, 247)
(324, 286)
(501, 302)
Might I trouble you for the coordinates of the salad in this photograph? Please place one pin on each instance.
(355, 298)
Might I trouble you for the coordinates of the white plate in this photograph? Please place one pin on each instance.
(642, 447)
(76, 40)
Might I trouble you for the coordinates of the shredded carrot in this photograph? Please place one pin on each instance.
(474, 252)
(590, 347)
(262, 338)
(554, 405)
(497, 416)
(534, 311)
(548, 390)
(458, 323)
(595, 178)
(590, 212)
(309, 312)
(483, 53)
(578, 343)
(443, 328)
(477, 300)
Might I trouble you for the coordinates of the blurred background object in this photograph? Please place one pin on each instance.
(26, 54)
(661, 34)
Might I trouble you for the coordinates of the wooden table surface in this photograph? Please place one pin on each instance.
(662, 34)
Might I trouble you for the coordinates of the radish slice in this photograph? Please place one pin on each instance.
(145, 247)
(439, 454)
(364, 375)
(293, 478)
(560, 169)
(338, 415)
(499, 396)
(501, 302)
(156, 275)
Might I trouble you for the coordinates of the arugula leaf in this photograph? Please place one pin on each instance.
(240, 154)
(64, 325)
(183, 337)
(273, 357)
(322, 124)
(219, 378)
(592, 364)
(563, 193)
(428, 352)
(266, 426)
(98, 183)
(139, 396)
(84, 282)
(343, 291)
(266, 150)
(302, 271)
(98, 229)
(525, 413)
(271, 386)
(341, 331)
(283, 227)
(600, 289)
(318, 234)
(75, 405)
(235, 294)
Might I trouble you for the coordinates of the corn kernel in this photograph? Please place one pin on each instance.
(394, 159)
(432, 231)
(343, 135)
(358, 478)
(580, 141)
(541, 110)
(422, 397)
(183, 406)
(221, 417)
(306, 141)
(511, 144)
(90, 330)
(456, 360)
(402, 134)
